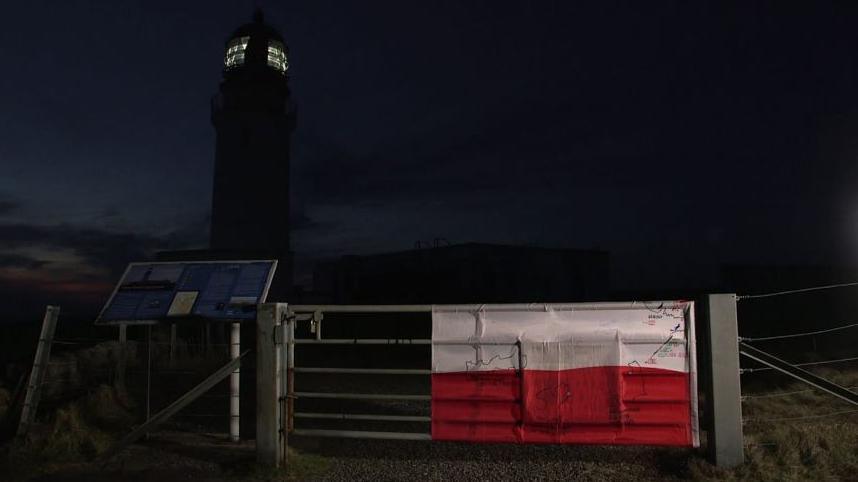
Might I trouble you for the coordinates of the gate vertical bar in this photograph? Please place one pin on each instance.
(725, 442)
(123, 356)
(207, 337)
(37, 374)
(148, 374)
(268, 384)
(172, 344)
(290, 375)
(234, 383)
(282, 356)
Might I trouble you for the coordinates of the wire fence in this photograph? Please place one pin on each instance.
(173, 370)
(783, 394)
(797, 291)
(762, 397)
(805, 364)
(799, 418)
(82, 365)
(799, 335)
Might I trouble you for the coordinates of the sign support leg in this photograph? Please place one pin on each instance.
(148, 374)
(172, 344)
(120, 363)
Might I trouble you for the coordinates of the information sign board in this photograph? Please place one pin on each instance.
(219, 290)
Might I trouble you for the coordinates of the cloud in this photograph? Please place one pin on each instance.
(8, 205)
(75, 266)
(300, 221)
(94, 248)
(20, 261)
(98, 247)
(193, 234)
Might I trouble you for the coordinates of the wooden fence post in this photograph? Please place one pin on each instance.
(37, 374)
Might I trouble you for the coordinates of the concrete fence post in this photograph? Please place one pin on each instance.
(269, 338)
(724, 389)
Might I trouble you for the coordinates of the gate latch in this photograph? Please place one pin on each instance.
(316, 321)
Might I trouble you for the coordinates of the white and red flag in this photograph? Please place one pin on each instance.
(606, 373)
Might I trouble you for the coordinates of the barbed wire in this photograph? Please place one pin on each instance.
(90, 341)
(61, 363)
(804, 417)
(796, 335)
(763, 444)
(185, 342)
(801, 290)
(823, 362)
(80, 341)
(784, 394)
(217, 415)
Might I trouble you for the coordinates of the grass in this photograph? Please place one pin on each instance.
(5, 400)
(75, 433)
(305, 466)
(299, 466)
(73, 436)
(823, 448)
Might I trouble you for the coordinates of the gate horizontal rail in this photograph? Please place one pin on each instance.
(363, 341)
(655, 305)
(424, 341)
(360, 308)
(362, 396)
(356, 416)
(362, 434)
(411, 341)
(365, 371)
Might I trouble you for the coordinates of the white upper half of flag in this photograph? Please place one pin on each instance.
(561, 337)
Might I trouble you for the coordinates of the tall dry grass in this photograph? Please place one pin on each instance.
(787, 440)
(75, 433)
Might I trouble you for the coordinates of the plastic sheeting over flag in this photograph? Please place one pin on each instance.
(605, 373)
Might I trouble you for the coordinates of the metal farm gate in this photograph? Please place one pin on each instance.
(630, 379)
(313, 316)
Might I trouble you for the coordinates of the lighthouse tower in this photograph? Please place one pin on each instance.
(253, 119)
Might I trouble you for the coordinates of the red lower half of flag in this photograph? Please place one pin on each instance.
(594, 405)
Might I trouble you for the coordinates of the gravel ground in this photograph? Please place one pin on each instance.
(176, 456)
(395, 460)
(166, 457)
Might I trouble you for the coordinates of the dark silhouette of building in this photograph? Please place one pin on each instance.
(253, 117)
(465, 273)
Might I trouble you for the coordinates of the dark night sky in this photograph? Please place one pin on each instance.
(678, 136)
